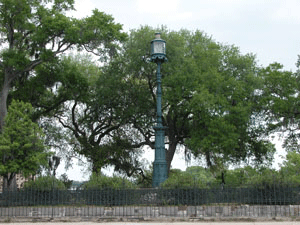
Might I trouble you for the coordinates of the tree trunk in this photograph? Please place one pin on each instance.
(95, 167)
(3, 103)
(9, 183)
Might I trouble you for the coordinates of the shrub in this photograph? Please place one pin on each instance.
(145, 180)
(194, 177)
(99, 181)
(45, 183)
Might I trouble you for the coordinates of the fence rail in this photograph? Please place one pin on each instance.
(226, 201)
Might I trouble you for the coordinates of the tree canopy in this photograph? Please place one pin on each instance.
(210, 97)
(280, 98)
(91, 119)
(217, 103)
(22, 148)
(34, 32)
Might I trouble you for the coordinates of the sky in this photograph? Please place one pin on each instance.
(267, 28)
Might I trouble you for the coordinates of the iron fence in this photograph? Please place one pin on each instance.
(222, 201)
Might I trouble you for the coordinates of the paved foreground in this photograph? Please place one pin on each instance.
(158, 212)
(162, 223)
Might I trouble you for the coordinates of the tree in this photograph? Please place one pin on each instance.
(224, 110)
(209, 97)
(21, 144)
(34, 32)
(99, 181)
(193, 177)
(68, 183)
(290, 169)
(33, 35)
(144, 181)
(93, 120)
(45, 183)
(281, 103)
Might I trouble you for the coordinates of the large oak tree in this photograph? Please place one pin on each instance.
(93, 121)
(34, 32)
(210, 97)
(281, 104)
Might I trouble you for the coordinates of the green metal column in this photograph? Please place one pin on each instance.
(160, 172)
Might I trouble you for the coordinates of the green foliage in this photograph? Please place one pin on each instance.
(179, 179)
(249, 176)
(193, 177)
(202, 174)
(290, 169)
(281, 103)
(22, 148)
(225, 106)
(92, 116)
(199, 177)
(99, 181)
(45, 183)
(144, 180)
(240, 176)
(64, 178)
(34, 33)
(210, 97)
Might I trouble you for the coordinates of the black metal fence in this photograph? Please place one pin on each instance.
(267, 195)
(259, 195)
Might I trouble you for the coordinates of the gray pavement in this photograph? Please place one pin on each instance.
(162, 223)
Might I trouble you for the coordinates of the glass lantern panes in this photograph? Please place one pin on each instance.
(159, 47)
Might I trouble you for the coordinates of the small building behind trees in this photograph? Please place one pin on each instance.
(20, 180)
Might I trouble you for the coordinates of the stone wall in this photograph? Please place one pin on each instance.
(229, 211)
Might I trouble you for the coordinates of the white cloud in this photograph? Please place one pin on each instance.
(288, 12)
(83, 8)
(163, 10)
(157, 6)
